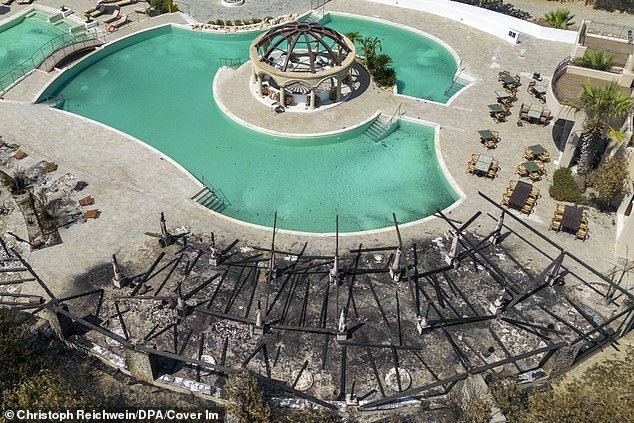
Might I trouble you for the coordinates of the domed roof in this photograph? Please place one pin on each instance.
(303, 47)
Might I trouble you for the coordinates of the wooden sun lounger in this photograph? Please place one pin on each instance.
(120, 22)
(116, 15)
(87, 201)
(122, 3)
(91, 214)
(100, 10)
(25, 1)
(7, 2)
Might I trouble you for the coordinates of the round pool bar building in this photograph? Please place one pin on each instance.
(302, 59)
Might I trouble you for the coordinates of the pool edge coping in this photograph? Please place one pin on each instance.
(439, 157)
(440, 41)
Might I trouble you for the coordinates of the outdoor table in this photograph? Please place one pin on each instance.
(531, 166)
(495, 108)
(503, 94)
(571, 220)
(486, 134)
(520, 195)
(535, 112)
(508, 79)
(537, 149)
(540, 89)
(484, 163)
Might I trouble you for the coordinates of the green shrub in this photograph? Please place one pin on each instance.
(560, 18)
(268, 18)
(593, 59)
(608, 181)
(256, 20)
(228, 23)
(237, 22)
(164, 6)
(564, 187)
(220, 22)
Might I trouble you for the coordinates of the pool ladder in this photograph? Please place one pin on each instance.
(211, 198)
(380, 128)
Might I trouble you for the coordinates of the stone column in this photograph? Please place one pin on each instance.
(282, 96)
(313, 100)
(142, 365)
(259, 79)
(338, 88)
(61, 324)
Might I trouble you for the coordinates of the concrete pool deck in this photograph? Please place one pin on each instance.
(133, 184)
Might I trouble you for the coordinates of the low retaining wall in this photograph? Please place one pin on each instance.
(499, 25)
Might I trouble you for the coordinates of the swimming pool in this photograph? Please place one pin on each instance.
(21, 38)
(424, 68)
(157, 87)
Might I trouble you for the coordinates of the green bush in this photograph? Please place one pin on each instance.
(228, 23)
(164, 6)
(220, 22)
(237, 22)
(564, 187)
(608, 181)
(560, 18)
(593, 59)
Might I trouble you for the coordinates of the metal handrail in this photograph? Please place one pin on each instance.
(559, 70)
(396, 112)
(41, 54)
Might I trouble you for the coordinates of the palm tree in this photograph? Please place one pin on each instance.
(369, 48)
(354, 36)
(595, 59)
(601, 105)
(382, 61)
(560, 18)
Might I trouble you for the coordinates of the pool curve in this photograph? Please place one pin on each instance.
(307, 181)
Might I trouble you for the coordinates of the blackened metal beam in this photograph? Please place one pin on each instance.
(200, 287)
(299, 374)
(378, 303)
(32, 272)
(572, 256)
(413, 392)
(126, 334)
(169, 274)
(513, 359)
(376, 372)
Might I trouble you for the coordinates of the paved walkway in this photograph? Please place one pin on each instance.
(538, 8)
(132, 184)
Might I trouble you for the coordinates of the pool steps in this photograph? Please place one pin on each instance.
(211, 198)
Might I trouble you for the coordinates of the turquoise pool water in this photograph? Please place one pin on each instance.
(22, 37)
(157, 86)
(424, 68)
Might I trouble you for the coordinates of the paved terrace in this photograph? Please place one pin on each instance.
(132, 184)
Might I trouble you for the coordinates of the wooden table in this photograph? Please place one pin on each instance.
(486, 134)
(508, 79)
(537, 149)
(540, 89)
(571, 219)
(535, 112)
(520, 195)
(531, 166)
(495, 108)
(484, 163)
(503, 94)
